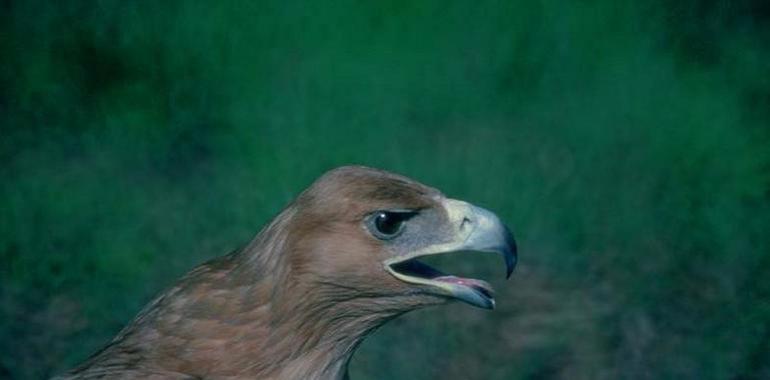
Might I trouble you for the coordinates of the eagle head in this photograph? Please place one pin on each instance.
(361, 233)
(342, 259)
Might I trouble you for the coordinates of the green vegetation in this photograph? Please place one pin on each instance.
(626, 143)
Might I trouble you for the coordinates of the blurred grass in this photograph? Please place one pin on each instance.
(627, 144)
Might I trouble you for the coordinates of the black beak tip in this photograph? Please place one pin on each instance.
(510, 265)
(511, 254)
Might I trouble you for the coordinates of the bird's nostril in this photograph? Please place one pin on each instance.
(465, 222)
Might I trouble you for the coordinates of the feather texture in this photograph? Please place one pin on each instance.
(293, 304)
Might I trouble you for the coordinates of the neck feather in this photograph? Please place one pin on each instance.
(314, 323)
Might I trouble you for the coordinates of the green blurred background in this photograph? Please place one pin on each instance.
(626, 143)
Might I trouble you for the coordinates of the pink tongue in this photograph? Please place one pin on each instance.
(462, 281)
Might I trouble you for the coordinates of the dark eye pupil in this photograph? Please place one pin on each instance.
(387, 223)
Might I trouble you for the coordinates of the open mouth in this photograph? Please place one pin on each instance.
(475, 292)
(473, 229)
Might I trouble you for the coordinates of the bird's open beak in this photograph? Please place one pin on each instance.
(475, 229)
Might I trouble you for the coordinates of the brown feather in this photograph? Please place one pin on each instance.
(293, 304)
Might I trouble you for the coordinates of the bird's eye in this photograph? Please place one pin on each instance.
(388, 224)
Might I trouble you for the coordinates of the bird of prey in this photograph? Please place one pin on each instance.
(294, 303)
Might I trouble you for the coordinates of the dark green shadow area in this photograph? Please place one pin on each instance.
(626, 143)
